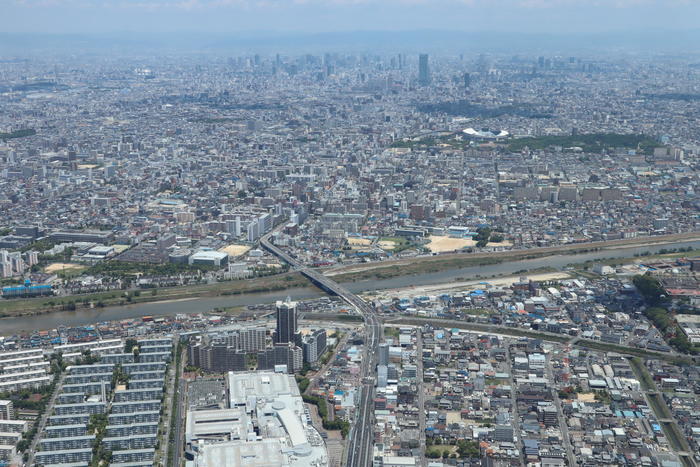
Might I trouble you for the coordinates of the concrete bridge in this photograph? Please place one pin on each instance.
(359, 448)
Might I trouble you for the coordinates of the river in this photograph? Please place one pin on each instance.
(82, 317)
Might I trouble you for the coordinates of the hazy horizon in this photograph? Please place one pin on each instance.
(440, 42)
(322, 16)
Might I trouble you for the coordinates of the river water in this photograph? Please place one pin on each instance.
(198, 305)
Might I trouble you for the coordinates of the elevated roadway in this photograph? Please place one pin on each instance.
(359, 451)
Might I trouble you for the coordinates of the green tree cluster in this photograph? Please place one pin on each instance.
(119, 376)
(594, 143)
(303, 383)
(468, 449)
(482, 236)
(651, 289)
(658, 313)
(124, 269)
(97, 424)
(129, 345)
(88, 358)
(497, 238)
(336, 424)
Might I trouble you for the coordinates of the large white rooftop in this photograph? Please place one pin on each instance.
(269, 402)
(228, 424)
(264, 385)
(265, 453)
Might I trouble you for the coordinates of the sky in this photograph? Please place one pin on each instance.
(318, 16)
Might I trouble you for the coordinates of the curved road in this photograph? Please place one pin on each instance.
(359, 452)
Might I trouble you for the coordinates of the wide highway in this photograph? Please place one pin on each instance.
(359, 451)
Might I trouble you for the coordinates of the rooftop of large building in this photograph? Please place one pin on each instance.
(264, 385)
(268, 425)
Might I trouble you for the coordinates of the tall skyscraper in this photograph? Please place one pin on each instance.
(423, 70)
(286, 321)
(383, 354)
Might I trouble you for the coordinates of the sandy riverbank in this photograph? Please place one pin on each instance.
(507, 255)
(465, 285)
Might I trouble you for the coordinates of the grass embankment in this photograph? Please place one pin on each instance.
(641, 259)
(673, 432)
(642, 374)
(627, 350)
(390, 331)
(430, 264)
(477, 311)
(426, 265)
(33, 306)
(332, 317)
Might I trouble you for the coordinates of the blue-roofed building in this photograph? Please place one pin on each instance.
(26, 291)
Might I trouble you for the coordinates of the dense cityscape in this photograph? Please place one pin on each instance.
(343, 258)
